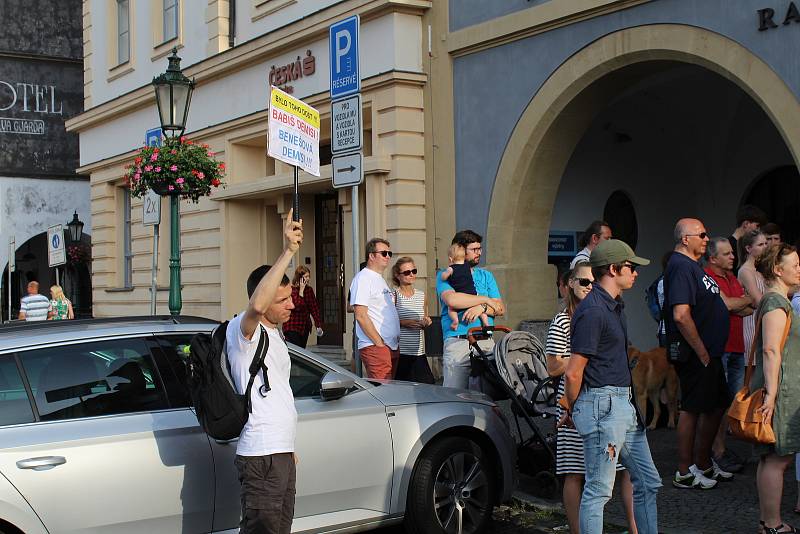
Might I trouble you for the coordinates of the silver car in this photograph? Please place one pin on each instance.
(98, 435)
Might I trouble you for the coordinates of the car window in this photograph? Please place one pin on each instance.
(90, 379)
(176, 350)
(15, 407)
(305, 377)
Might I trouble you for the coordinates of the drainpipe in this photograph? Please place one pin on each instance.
(231, 23)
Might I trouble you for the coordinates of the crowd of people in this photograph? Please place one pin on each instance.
(36, 307)
(729, 310)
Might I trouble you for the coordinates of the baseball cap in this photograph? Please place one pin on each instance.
(614, 251)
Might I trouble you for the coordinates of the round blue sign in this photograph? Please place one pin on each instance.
(56, 241)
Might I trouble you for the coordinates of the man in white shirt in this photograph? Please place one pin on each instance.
(596, 233)
(265, 456)
(34, 307)
(377, 323)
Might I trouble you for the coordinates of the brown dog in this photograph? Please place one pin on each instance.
(652, 371)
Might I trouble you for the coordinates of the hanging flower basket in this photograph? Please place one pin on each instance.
(79, 253)
(178, 168)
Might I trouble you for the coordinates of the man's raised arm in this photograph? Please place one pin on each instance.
(266, 289)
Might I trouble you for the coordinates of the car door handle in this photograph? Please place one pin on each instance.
(226, 441)
(41, 463)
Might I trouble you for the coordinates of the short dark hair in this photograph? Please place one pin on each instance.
(596, 228)
(599, 271)
(256, 276)
(466, 237)
(749, 212)
(372, 245)
(771, 229)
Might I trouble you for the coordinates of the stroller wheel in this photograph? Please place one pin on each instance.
(453, 489)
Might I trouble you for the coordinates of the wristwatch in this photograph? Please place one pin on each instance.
(484, 307)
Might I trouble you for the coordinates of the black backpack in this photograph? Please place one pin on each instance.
(220, 410)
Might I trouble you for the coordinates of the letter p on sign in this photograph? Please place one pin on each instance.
(343, 38)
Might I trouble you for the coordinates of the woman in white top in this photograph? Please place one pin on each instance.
(574, 285)
(413, 313)
(751, 245)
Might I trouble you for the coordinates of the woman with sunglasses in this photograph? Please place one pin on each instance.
(574, 286)
(751, 246)
(413, 313)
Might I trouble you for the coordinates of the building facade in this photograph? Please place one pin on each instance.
(639, 112)
(235, 50)
(41, 86)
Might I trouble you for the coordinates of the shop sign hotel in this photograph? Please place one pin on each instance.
(23, 98)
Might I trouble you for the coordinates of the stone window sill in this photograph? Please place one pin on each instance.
(119, 71)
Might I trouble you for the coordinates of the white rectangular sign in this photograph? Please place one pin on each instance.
(347, 170)
(293, 132)
(346, 125)
(56, 252)
(151, 208)
(12, 255)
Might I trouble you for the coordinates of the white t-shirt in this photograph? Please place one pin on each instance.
(583, 255)
(272, 426)
(369, 289)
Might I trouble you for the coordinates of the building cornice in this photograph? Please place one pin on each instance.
(257, 50)
(530, 21)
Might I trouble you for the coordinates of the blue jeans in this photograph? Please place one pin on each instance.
(606, 420)
(733, 363)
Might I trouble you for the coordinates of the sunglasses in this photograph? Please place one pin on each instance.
(584, 282)
(630, 266)
(701, 235)
(408, 272)
(384, 253)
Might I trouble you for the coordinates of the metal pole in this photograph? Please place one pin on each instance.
(155, 271)
(356, 256)
(58, 282)
(296, 203)
(175, 303)
(9, 292)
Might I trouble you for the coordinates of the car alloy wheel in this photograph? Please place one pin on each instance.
(460, 493)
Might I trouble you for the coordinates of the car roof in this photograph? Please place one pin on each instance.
(17, 335)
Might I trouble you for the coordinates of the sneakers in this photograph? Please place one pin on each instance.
(729, 462)
(694, 479)
(717, 473)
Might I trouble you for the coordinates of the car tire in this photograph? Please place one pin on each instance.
(454, 478)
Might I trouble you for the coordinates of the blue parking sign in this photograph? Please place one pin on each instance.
(345, 74)
(153, 137)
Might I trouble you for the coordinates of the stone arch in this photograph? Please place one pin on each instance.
(559, 114)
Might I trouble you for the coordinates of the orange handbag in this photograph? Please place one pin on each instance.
(744, 421)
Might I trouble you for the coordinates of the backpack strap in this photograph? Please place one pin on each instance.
(257, 364)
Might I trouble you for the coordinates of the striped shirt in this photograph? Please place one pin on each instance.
(35, 307)
(412, 341)
(569, 445)
(749, 322)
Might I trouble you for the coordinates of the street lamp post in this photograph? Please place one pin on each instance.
(173, 96)
(75, 229)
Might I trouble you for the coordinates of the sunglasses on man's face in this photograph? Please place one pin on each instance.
(408, 272)
(701, 235)
(384, 253)
(584, 282)
(630, 266)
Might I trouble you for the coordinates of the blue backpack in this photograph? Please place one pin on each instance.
(651, 297)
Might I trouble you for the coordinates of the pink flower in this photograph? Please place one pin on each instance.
(154, 157)
(171, 188)
(201, 175)
(173, 168)
(210, 154)
(137, 176)
(179, 181)
(157, 169)
(148, 168)
(173, 152)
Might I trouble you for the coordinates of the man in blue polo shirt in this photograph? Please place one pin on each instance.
(599, 394)
(455, 353)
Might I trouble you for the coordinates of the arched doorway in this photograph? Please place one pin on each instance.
(778, 193)
(32, 264)
(559, 115)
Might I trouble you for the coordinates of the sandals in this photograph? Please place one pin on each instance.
(777, 530)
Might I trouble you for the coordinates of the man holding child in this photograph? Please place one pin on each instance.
(469, 307)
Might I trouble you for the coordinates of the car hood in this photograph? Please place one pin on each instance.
(397, 393)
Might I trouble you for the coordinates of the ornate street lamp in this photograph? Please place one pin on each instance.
(75, 229)
(173, 96)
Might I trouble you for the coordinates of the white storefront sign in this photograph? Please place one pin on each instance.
(56, 252)
(293, 132)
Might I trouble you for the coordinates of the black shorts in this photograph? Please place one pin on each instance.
(268, 491)
(703, 389)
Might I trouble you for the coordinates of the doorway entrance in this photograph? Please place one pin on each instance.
(329, 267)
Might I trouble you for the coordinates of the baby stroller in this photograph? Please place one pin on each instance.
(515, 368)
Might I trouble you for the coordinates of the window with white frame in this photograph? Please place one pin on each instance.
(171, 13)
(127, 249)
(123, 31)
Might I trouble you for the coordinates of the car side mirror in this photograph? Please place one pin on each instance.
(335, 385)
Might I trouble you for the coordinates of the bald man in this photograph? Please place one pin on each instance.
(34, 307)
(697, 325)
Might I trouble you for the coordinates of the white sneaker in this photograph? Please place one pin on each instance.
(717, 473)
(700, 479)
